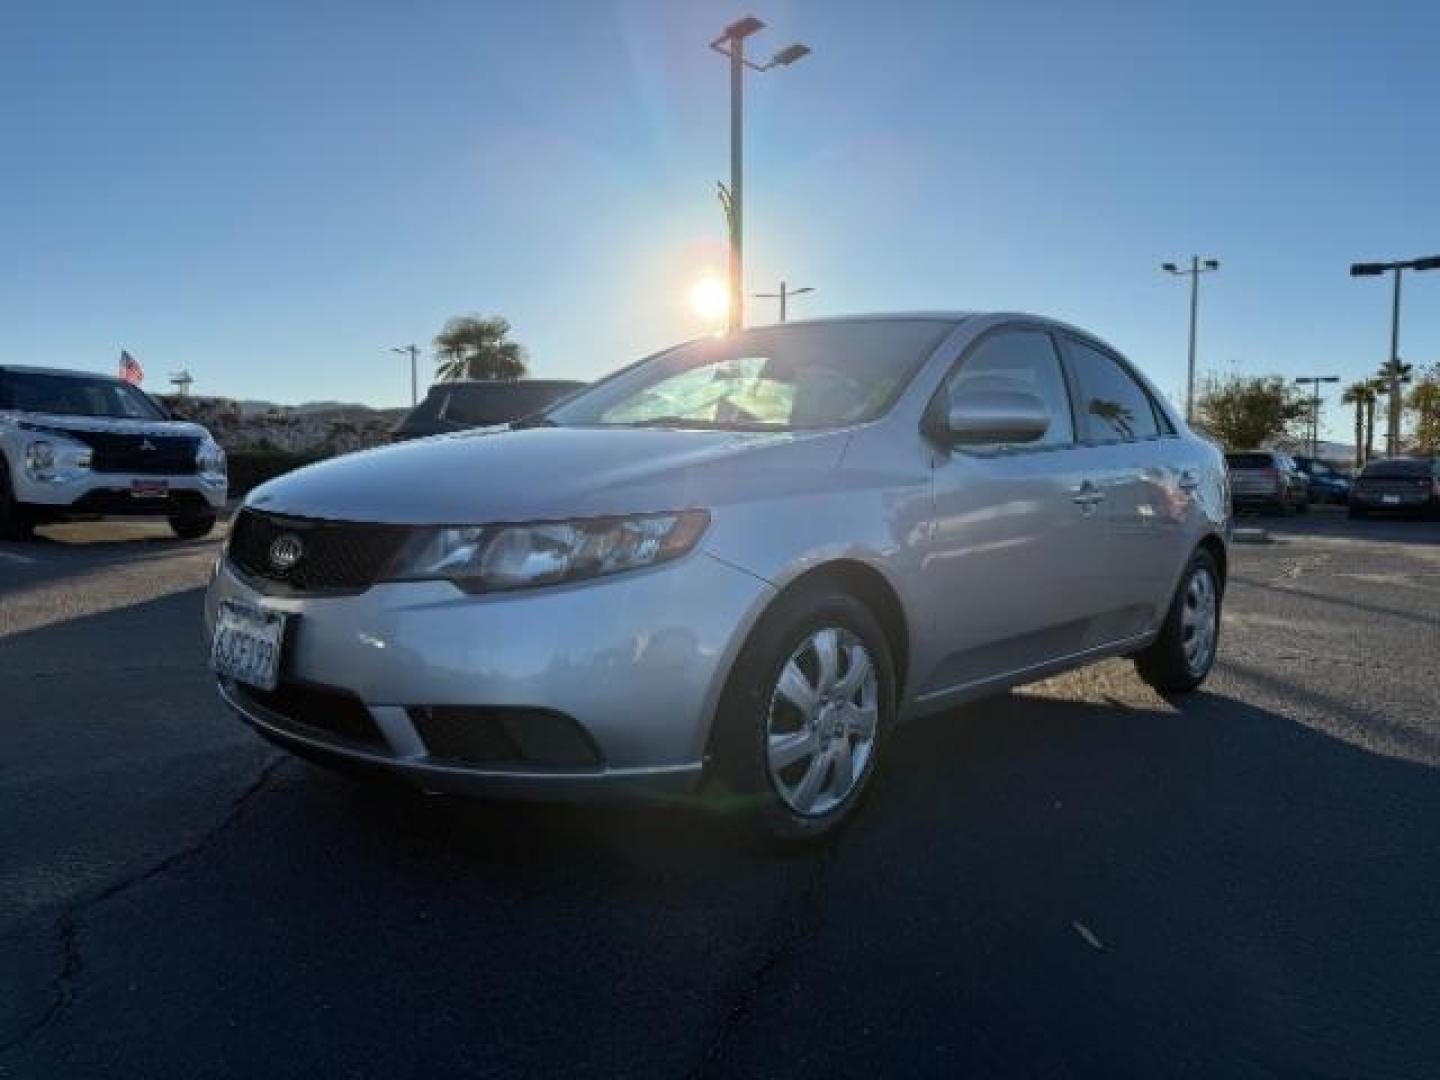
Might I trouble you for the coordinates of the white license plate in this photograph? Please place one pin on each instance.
(1392, 500)
(247, 644)
(149, 489)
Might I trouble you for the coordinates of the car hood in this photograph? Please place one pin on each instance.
(533, 474)
(115, 426)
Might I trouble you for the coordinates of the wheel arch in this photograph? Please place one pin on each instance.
(1215, 547)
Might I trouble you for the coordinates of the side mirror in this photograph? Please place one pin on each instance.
(982, 417)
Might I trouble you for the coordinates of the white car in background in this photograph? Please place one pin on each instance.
(75, 445)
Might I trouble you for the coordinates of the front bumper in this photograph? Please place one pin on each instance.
(107, 494)
(637, 661)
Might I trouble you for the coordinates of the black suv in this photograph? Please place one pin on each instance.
(472, 403)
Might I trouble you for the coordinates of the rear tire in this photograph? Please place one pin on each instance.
(192, 527)
(15, 521)
(805, 715)
(1181, 657)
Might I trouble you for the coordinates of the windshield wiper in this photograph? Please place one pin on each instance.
(701, 425)
(537, 420)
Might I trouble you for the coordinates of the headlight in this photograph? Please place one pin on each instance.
(210, 459)
(500, 557)
(56, 460)
(40, 456)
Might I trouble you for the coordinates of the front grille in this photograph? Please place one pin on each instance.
(143, 455)
(501, 737)
(335, 556)
(311, 708)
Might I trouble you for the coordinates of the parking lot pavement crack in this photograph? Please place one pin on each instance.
(67, 924)
(796, 924)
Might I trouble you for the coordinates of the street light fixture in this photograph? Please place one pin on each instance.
(1315, 381)
(412, 351)
(731, 43)
(1429, 262)
(1197, 267)
(783, 296)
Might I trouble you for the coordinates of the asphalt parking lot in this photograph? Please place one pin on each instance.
(1080, 879)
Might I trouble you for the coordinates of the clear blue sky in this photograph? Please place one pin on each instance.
(272, 193)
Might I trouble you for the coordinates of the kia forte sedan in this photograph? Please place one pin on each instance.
(733, 566)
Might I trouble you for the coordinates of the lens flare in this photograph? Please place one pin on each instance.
(710, 299)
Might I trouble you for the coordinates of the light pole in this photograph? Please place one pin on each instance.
(1193, 272)
(783, 296)
(412, 351)
(1315, 381)
(731, 43)
(1430, 262)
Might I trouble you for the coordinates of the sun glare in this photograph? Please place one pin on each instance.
(710, 299)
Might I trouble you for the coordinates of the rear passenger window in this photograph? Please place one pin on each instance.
(1022, 360)
(1113, 406)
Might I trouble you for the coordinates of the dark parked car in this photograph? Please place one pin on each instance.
(456, 406)
(1267, 480)
(1327, 483)
(1411, 485)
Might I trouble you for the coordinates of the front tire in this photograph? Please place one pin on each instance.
(1181, 657)
(805, 714)
(15, 521)
(192, 527)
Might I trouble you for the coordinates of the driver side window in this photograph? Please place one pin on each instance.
(1023, 360)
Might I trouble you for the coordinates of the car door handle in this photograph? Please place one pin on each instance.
(1087, 495)
(1189, 480)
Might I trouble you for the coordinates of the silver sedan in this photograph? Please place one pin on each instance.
(734, 566)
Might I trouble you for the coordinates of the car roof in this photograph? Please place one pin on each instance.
(24, 369)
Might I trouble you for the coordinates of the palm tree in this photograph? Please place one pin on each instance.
(1382, 377)
(1362, 396)
(475, 347)
(1378, 386)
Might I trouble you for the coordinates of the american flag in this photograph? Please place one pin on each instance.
(130, 369)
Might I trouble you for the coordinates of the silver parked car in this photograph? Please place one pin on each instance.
(741, 561)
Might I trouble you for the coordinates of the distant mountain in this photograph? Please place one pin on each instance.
(308, 408)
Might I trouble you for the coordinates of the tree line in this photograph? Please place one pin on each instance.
(1247, 412)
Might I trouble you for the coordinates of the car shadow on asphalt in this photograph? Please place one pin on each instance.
(1087, 889)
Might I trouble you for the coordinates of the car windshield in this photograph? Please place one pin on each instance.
(1250, 461)
(74, 395)
(776, 379)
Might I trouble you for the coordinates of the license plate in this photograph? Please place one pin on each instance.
(149, 489)
(1392, 500)
(247, 644)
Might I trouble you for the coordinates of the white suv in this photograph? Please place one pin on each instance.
(79, 445)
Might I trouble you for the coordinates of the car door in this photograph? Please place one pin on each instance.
(1016, 530)
(1130, 452)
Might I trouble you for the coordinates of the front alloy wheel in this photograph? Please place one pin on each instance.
(823, 718)
(805, 715)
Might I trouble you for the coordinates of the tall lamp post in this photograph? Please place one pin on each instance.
(1430, 262)
(783, 296)
(412, 351)
(1193, 272)
(731, 43)
(1315, 381)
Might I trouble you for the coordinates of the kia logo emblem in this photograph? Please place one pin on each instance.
(285, 552)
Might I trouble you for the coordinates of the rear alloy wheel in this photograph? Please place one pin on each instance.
(192, 527)
(805, 714)
(15, 522)
(1181, 657)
